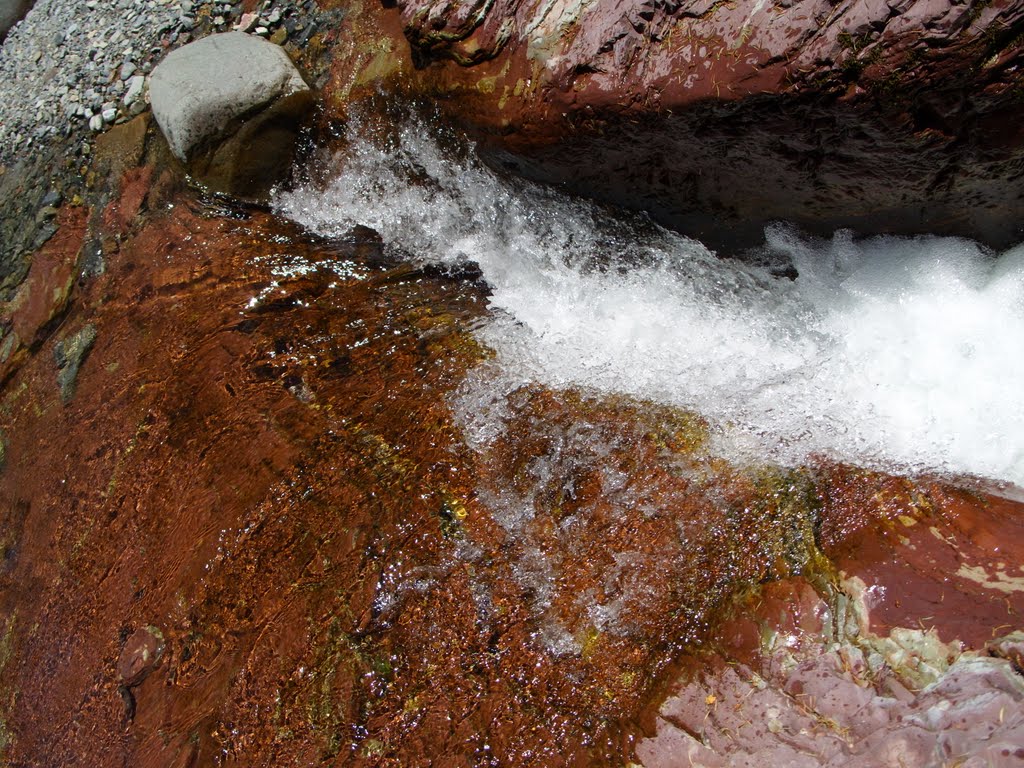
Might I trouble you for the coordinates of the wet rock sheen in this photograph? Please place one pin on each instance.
(719, 117)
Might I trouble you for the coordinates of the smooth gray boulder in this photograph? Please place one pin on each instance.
(203, 90)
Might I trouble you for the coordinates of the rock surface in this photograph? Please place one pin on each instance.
(719, 117)
(805, 700)
(69, 354)
(140, 655)
(200, 90)
(262, 459)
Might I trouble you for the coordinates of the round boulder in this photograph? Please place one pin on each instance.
(230, 106)
(199, 90)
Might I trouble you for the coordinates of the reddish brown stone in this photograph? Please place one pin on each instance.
(44, 294)
(943, 558)
(721, 117)
(133, 188)
(140, 655)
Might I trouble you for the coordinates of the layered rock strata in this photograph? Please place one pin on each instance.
(717, 117)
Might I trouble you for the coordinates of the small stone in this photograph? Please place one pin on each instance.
(135, 87)
(274, 17)
(140, 655)
(247, 22)
(46, 212)
(96, 122)
(127, 70)
(279, 36)
(45, 232)
(109, 115)
(262, 31)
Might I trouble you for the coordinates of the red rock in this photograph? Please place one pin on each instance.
(44, 294)
(819, 704)
(720, 117)
(943, 558)
(140, 655)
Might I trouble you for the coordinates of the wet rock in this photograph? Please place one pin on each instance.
(930, 557)
(121, 147)
(259, 154)
(43, 295)
(808, 697)
(140, 655)
(200, 90)
(24, 186)
(721, 117)
(69, 354)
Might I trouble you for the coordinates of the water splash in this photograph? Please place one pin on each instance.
(890, 352)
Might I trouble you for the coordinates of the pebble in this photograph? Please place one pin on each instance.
(135, 86)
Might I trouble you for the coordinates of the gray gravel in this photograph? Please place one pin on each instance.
(83, 65)
(60, 66)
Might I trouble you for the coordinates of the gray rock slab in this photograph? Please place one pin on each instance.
(69, 354)
(201, 88)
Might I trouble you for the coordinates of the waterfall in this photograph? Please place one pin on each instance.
(904, 354)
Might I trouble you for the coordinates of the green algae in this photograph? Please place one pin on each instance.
(6, 653)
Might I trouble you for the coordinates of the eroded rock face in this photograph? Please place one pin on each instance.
(886, 117)
(903, 656)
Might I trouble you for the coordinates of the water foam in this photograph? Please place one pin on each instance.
(893, 352)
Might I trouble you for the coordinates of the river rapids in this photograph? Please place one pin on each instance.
(904, 354)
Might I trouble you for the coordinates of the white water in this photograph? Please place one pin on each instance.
(905, 354)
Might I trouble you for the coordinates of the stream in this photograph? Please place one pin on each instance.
(901, 354)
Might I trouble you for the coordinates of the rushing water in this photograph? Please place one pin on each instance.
(891, 352)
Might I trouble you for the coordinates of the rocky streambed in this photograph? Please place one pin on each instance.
(275, 494)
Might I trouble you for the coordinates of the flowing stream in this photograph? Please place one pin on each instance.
(896, 353)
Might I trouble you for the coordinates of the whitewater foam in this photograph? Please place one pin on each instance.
(902, 353)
